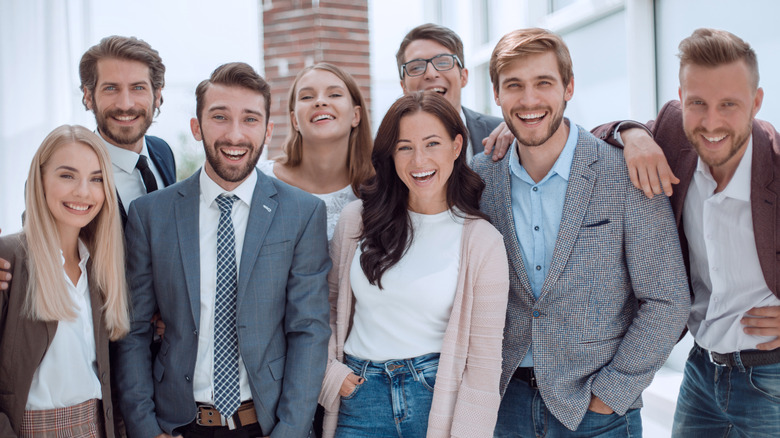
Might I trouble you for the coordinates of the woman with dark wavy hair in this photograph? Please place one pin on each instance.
(418, 289)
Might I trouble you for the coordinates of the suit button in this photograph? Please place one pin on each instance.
(187, 378)
(195, 333)
(537, 314)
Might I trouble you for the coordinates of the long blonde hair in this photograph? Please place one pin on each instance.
(360, 140)
(47, 297)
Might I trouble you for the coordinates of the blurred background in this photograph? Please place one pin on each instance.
(624, 54)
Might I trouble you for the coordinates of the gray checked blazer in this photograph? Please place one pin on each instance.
(616, 296)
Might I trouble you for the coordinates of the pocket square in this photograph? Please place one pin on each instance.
(597, 224)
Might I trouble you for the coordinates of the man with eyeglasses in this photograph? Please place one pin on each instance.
(430, 58)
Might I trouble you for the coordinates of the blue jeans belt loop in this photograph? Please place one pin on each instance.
(526, 374)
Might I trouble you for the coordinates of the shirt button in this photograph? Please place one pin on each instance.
(538, 268)
(537, 313)
(715, 269)
(536, 228)
(536, 189)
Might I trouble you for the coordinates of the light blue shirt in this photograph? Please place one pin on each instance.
(537, 209)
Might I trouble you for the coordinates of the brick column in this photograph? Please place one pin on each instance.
(299, 33)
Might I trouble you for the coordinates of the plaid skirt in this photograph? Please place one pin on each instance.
(84, 420)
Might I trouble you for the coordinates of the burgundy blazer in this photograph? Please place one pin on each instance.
(23, 342)
(764, 186)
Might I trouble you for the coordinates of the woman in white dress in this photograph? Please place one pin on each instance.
(328, 150)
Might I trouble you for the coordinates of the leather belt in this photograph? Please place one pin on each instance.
(526, 374)
(244, 416)
(749, 358)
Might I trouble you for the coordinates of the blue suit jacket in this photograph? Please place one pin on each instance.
(479, 126)
(616, 296)
(282, 304)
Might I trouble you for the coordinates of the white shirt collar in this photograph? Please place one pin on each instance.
(123, 158)
(210, 190)
(739, 186)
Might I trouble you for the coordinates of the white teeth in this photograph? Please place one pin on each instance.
(125, 118)
(77, 207)
(532, 116)
(322, 117)
(439, 90)
(423, 174)
(233, 153)
(715, 139)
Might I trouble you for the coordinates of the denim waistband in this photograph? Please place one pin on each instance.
(393, 366)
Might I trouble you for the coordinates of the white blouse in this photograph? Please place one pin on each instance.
(408, 317)
(67, 374)
(334, 202)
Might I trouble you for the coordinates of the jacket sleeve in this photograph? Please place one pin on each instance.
(478, 399)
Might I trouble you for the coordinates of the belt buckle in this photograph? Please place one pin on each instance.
(713, 361)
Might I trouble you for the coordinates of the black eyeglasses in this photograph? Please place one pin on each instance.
(443, 62)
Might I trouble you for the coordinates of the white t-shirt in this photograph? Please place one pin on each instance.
(408, 317)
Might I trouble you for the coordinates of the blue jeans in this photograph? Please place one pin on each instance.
(524, 414)
(394, 400)
(718, 401)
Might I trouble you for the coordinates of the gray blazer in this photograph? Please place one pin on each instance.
(479, 126)
(283, 328)
(616, 297)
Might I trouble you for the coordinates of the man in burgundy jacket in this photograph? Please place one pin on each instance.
(726, 208)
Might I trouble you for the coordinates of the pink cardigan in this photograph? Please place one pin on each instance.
(466, 395)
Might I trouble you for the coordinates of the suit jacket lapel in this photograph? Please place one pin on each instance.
(187, 211)
(763, 203)
(261, 214)
(159, 161)
(578, 193)
(506, 222)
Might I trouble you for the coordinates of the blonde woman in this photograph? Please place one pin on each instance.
(328, 150)
(67, 297)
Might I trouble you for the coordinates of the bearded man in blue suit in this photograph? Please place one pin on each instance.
(598, 292)
(236, 264)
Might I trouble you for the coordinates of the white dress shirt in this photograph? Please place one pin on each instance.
(67, 374)
(408, 317)
(725, 272)
(203, 380)
(127, 178)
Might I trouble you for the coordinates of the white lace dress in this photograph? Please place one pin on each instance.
(335, 201)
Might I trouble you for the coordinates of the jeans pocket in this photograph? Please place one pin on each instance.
(766, 380)
(353, 393)
(428, 377)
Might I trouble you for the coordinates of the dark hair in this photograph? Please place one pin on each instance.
(434, 32)
(126, 48)
(387, 231)
(234, 74)
(713, 48)
(521, 43)
(360, 142)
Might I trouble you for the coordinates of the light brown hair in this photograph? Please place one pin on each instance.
(712, 48)
(126, 48)
(523, 42)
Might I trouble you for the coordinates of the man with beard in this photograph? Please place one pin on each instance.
(598, 293)
(236, 264)
(122, 80)
(728, 165)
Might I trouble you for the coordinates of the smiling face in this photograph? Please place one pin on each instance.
(719, 104)
(73, 186)
(447, 83)
(232, 128)
(123, 102)
(532, 97)
(324, 109)
(424, 156)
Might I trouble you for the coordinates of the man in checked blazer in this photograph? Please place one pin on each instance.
(598, 292)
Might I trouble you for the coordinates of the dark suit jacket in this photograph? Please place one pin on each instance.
(282, 317)
(23, 342)
(163, 160)
(764, 186)
(479, 126)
